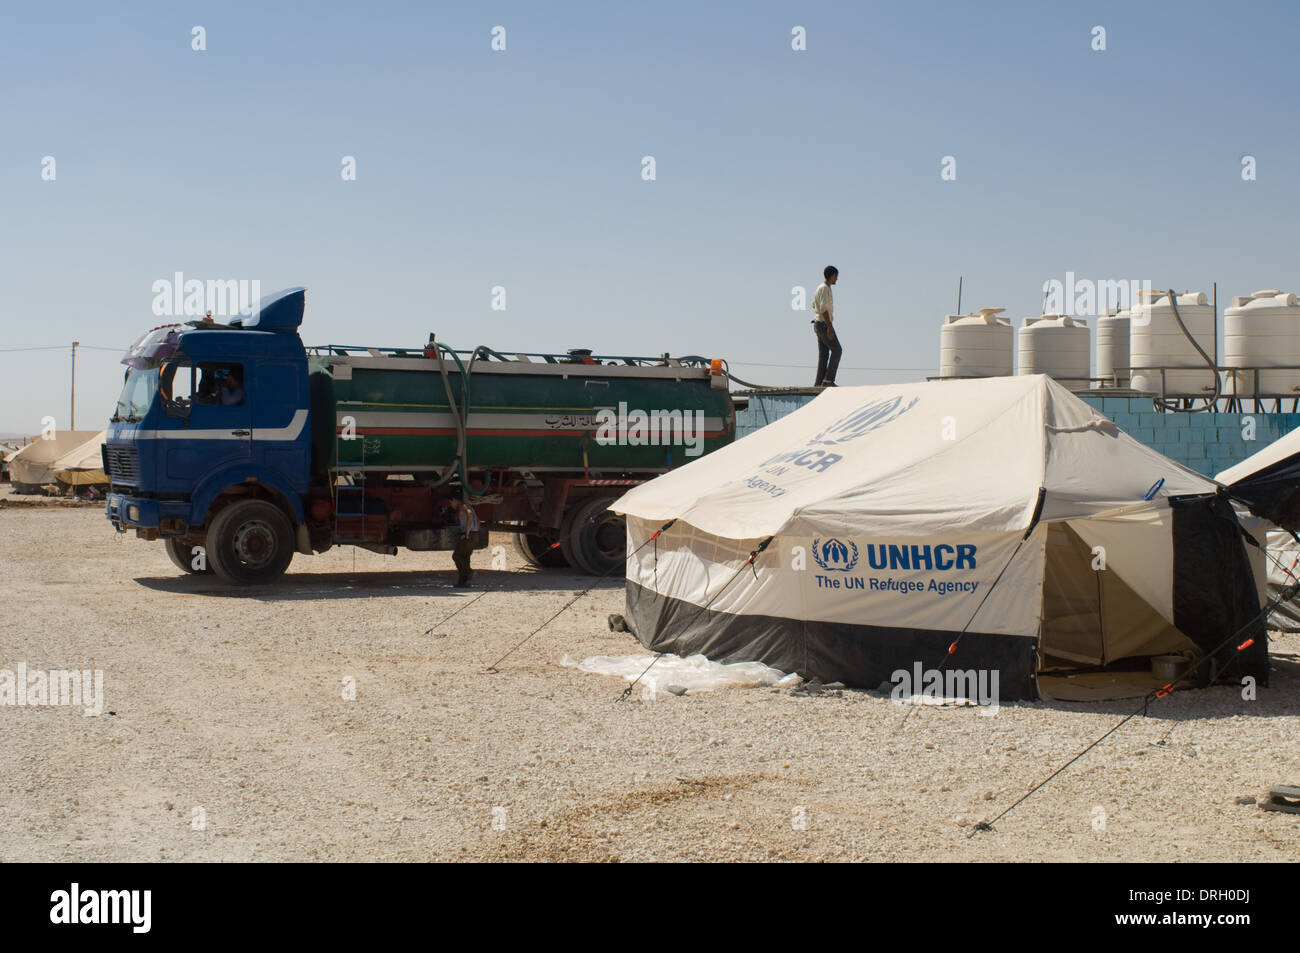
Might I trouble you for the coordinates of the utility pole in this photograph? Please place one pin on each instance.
(72, 412)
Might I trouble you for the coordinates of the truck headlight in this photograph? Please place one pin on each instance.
(133, 514)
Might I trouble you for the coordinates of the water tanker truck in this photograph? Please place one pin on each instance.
(236, 446)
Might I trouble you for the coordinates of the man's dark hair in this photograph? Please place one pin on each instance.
(830, 270)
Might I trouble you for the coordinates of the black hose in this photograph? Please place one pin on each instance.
(1162, 403)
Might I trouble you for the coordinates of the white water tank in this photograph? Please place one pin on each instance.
(1056, 345)
(976, 345)
(1262, 330)
(1156, 340)
(1112, 348)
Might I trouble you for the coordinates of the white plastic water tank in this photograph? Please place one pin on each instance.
(1262, 330)
(976, 345)
(1056, 345)
(1156, 340)
(1112, 348)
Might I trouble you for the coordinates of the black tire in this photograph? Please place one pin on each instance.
(250, 543)
(596, 539)
(182, 557)
(538, 552)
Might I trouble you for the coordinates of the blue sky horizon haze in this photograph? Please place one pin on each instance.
(130, 156)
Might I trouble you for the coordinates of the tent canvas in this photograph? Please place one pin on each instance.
(33, 465)
(889, 519)
(83, 464)
(1268, 483)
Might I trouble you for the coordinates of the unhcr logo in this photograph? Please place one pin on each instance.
(834, 555)
(865, 419)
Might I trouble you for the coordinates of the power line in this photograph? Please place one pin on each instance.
(61, 347)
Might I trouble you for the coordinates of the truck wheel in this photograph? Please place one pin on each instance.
(571, 539)
(250, 542)
(182, 557)
(538, 552)
(596, 540)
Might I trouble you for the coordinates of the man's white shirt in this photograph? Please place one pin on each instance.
(822, 301)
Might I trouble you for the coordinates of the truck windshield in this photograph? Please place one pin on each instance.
(137, 394)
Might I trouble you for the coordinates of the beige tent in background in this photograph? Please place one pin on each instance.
(82, 465)
(33, 465)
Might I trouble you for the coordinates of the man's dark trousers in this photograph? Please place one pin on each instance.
(460, 556)
(828, 354)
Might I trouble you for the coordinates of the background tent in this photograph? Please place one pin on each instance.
(1268, 483)
(891, 518)
(1283, 571)
(33, 465)
(83, 464)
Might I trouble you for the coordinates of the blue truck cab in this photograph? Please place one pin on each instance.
(209, 448)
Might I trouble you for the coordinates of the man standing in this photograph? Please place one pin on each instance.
(828, 342)
(469, 530)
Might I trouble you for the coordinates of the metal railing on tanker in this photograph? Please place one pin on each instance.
(1253, 401)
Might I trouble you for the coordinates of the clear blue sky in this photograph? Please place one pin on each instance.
(523, 169)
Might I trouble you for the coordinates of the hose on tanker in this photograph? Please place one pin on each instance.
(726, 370)
(451, 403)
(1163, 403)
(460, 414)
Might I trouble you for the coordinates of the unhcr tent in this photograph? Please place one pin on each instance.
(33, 465)
(83, 464)
(1268, 483)
(886, 520)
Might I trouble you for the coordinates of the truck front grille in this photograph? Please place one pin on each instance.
(122, 464)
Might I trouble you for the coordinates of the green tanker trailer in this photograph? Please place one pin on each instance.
(237, 446)
(540, 444)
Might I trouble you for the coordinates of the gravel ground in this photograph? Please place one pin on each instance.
(233, 703)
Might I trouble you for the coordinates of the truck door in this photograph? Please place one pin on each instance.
(281, 437)
(220, 422)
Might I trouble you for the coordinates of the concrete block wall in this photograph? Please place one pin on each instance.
(1205, 442)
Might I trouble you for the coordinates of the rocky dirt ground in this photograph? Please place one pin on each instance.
(226, 733)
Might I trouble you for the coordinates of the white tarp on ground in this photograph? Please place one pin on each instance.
(891, 516)
(33, 465)
(695, 674)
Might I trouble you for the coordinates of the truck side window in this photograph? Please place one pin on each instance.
(176, 384)
(221, 384)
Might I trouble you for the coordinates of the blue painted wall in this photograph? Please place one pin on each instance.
(1204, 442)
